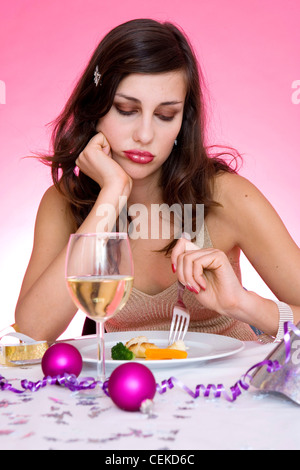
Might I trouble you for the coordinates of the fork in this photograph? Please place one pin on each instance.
(181, 318)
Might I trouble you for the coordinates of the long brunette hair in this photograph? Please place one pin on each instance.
(137, 46)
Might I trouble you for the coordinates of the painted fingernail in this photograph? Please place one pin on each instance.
(191, 288)
(173, 268)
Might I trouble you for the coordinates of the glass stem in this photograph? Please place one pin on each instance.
(100, 351)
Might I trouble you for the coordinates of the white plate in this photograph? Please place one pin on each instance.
(200, 347)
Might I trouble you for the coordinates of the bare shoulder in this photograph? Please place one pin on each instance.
(53, 223)
(53, 226)
(53, 198)
(249, 212)
(54, 209)
(239, 200)
(245, 218)
(233, 189)
(243, 213)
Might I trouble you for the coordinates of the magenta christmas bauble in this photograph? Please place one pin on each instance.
(60, 359)
(130, 384)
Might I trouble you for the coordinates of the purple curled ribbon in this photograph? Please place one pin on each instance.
(217, 391)
(74, 384)
(69, 381)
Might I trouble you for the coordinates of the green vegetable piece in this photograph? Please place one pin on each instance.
(119, 352)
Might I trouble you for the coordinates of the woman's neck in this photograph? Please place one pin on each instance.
(146, 193)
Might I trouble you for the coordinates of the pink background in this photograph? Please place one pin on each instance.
(249, 50)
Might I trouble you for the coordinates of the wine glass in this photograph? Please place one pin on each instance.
(99, 275)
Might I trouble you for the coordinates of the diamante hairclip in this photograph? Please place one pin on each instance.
(97, 76)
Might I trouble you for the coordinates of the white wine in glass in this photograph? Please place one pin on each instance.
(99, 275)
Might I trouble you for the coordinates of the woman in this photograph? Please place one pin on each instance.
(134, 131)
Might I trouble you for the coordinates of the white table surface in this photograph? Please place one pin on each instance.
(53, 418)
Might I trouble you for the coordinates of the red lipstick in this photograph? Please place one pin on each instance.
(138, 156)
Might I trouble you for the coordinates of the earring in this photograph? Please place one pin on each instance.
(175, 142)
(97, 76)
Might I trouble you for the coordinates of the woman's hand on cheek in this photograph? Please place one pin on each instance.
(209, 274)
(97, 163)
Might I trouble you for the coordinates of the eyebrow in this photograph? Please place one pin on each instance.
(135, 100)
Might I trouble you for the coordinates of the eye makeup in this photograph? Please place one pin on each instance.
(163, 114)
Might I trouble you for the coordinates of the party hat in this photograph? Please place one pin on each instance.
(286, 379)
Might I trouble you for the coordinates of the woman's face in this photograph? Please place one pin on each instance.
(144, 121)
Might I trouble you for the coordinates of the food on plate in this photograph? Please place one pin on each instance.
(178, 345)
(165, 353)
(139, 347)
(119, 352)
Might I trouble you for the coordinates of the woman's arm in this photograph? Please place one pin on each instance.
(265, 241)
(246, 219)
(44, 308)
